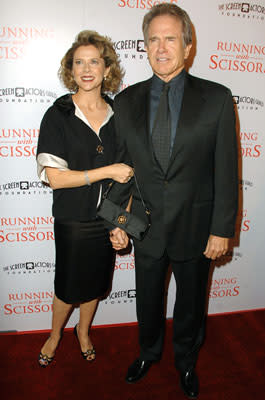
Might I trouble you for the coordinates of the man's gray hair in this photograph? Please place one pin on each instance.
(174, 11)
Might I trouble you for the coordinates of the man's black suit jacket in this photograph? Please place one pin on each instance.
(198, 194)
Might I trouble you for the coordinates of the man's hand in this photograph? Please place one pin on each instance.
(119, 239)
(216, 247)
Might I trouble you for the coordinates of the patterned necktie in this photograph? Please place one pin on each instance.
(161, 131)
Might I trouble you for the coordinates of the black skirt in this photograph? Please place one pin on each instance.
(84, 260)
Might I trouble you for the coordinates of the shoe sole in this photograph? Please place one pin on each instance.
(186, 394)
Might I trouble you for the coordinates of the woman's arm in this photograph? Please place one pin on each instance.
(69, 179)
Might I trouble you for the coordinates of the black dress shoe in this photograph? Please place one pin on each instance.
(189, 383)
(138, 370)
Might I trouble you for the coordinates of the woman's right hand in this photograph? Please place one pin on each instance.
(121, 173)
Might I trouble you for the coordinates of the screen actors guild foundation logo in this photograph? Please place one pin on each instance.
(29, 267)
(249, 103)
(246, 11)
(245, 184)
(27, 95)
(130, 49)
(25, 187)
(121, 297)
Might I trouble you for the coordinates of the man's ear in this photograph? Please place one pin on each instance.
(187, 51)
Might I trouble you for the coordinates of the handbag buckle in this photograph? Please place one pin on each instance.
(121, 219)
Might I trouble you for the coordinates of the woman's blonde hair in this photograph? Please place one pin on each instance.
(106, 49)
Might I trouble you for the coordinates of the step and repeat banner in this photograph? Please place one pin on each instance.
(229, 47)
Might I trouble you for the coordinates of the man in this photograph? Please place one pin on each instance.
(178, 132)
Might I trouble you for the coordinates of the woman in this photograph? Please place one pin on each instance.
(75, 156)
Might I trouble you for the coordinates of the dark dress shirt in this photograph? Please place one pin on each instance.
(175, 96)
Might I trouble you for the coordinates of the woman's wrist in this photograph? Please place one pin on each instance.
(107, 174)
(87, 178)
(97, 174)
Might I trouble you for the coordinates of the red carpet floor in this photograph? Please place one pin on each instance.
(231, 365)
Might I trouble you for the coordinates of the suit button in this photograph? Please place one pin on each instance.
(165, 183)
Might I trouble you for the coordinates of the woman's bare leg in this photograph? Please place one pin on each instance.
(60, 313)
(87, 311)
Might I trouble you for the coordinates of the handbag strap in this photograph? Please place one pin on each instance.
(147, 211)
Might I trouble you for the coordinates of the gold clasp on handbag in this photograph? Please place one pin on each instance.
(121, 219)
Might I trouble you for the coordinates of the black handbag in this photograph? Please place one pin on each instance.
(117, 216)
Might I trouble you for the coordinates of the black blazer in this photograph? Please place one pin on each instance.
(66, 136)
(198, 194)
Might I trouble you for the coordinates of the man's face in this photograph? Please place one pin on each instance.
(165, 48)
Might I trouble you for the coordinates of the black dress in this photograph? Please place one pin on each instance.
(84, 255)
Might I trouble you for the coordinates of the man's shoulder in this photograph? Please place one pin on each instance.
(207, 85)
(134, 90)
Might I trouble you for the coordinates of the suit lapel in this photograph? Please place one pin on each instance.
(141, 112)
(189, 114)
(142, 118)
(142, 121)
